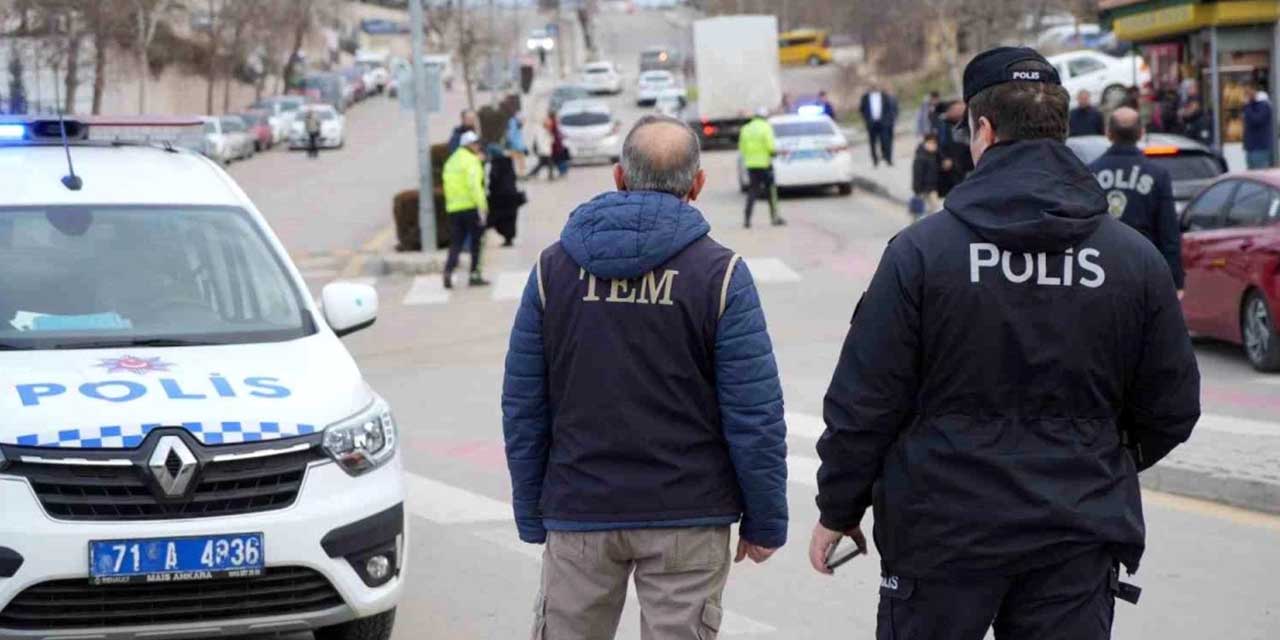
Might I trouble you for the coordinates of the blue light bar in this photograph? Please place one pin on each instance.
(12, 131)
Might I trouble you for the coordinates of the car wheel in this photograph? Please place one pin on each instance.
(1113, 96)
(1257, 327)
(845, 188)
(372, 628)
(815, 61)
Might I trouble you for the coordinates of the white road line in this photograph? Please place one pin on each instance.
(732, 624)
(771, 270)
(445, 504)
(1239, 426)
(510, 285)
(1274, 380)
(805, 425)
(426, 290)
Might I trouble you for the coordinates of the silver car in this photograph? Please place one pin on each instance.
(226, 138)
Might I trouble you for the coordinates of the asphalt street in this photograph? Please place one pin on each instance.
(437, 357)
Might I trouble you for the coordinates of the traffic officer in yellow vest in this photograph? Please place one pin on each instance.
(755, 144)
(465, 203)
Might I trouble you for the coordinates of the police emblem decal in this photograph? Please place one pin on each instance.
(1116, 202)
(134, 365)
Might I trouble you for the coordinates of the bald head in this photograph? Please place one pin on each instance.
(1125, 126)
(660, 154)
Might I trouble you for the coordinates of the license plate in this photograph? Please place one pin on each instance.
(237, 555)
(808, 154)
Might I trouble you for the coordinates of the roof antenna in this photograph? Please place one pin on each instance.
(71, 180)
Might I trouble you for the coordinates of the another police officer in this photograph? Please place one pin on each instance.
(756, 146)
(465, 204)
(1139, 191)
(1006, 350)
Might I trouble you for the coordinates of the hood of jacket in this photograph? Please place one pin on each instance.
(626, 234)
(1030, 195)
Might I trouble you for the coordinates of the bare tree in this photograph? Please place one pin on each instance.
(300, 16)
(214, 26)
(147, 15)
(104, 19)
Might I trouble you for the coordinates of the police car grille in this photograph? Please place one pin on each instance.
(75, 604)
(74, 492)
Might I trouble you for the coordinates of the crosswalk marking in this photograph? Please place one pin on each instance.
(446, 504)
(1239, 426)
(510, 285)
(803, 470)
(805, 425)
(426, 290)
(1275, 380)
(771, 271)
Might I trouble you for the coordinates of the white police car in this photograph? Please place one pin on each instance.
(186, 448)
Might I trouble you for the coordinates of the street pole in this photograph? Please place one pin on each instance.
(426, 202)
(560, 38)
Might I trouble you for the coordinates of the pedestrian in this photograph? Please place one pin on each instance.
(543, 144)
(642, 410)
(1085, 119)
(756, 146)
(311, 122)
(1259, 130)
(955, 161)
(880, 113)
(786, 105)
(925, 122)
(467, 121)
(559, 152)
(1140, 192)
(465, 204)
(1197, 123)
(505, 198)
(828, 109)
(1003, 355)
(924, 174)
(515, 144)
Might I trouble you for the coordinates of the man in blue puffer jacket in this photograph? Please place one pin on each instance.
(641, 406)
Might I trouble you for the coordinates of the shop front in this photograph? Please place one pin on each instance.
(1203, 57)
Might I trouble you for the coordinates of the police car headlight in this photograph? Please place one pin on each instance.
(364, 441)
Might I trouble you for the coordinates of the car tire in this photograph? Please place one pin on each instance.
(377, 627)
(1258, 330)
(845, 188)
(815, 61)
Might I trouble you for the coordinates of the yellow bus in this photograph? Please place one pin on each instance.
(804, 46)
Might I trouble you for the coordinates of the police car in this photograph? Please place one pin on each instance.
(1191, 165)
(187, 449)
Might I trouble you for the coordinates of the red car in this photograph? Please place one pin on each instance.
(1231, 253)
(260, 128)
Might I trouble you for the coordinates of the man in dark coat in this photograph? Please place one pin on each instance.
(1085, 119)
(954, 160)
(641, 406)
(1015, 361)
(505, 196)
(880, 113)
(1259, 130)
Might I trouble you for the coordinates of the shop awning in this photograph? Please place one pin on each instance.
(1146, 21)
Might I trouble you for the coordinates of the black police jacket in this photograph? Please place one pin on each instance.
(1140, 193)
(1001, 349)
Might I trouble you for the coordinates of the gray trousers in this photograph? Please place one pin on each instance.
(679, 574)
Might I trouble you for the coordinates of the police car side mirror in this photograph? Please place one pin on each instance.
(348, 306)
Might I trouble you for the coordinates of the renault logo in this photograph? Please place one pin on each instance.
(173, 465)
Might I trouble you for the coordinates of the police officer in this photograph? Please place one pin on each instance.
(1139, 192)
(1005, 351)
(465, 204)
(756, 145)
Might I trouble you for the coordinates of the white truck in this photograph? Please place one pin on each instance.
(736, 60)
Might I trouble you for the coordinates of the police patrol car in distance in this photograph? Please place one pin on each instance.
(186, 449)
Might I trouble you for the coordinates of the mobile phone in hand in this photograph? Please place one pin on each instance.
(837, 557)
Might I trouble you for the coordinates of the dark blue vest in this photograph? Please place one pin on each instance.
(636, 433)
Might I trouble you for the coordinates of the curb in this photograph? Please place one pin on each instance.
(408, 263)
(1245, 493)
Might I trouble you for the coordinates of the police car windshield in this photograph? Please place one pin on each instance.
(157, 276)
(585, 119)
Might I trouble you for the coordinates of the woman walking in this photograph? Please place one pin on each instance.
(543, 144)
(505, 198)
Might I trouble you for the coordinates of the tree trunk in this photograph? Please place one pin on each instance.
(144, 58)
(299, 33)
(99, 68)
(212, 68)
(73, 72)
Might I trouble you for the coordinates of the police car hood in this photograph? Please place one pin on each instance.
(221, 394)
(1032, 195)
(626, 234)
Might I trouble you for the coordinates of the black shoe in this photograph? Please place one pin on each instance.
(746, 224)
(448, 280)
(779, 222)
(508, 243)
(478, 281)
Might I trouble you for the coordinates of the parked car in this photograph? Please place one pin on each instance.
(1231, 254)
(327, 88)
(1192, 165)
(375, 67)
(354, 78)
(332, 128)
(811, 152)
(601, 77)
(591, 132)
(280, 110)
(805, 46)
(566, 93)
(260, 128)
(1105, 76)
(539, 39)
(671, 102)
(652, 83)
(226, 139)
